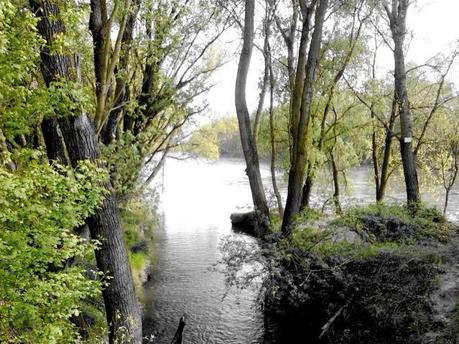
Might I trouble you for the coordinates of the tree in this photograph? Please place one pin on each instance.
(40, 204)
(301, 108)
(397, 19)
(247, 138)
(122, 311)
(338, 54)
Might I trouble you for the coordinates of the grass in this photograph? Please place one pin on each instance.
(318, 241)
(135, 217)
(138, 222)
(426, 223)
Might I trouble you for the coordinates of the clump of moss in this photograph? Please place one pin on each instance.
(397, 223)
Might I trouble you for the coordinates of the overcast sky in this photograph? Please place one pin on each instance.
(433, 23)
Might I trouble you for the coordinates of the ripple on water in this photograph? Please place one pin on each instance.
(197, 200)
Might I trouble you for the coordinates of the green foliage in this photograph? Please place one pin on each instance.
(219, 138)
(39, 206)
(125, 156)
(309, 215)
(378, 227)
(67, 98)
(19, 103)
(138, 220)
(204, 143)
(321, 243)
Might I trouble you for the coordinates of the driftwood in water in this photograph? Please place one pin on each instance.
(178, 338)
(253, 223)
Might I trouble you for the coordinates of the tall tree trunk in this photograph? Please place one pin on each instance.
(248, 145)
(397, 18)
(300, 123)
(122, 311)
(387, 155)
(280, 207)
(353, 40)
(299, 79)
(445, 204)
(114, 118)
(99, 31)
(265, 80)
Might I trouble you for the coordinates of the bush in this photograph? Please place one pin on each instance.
(40, 205)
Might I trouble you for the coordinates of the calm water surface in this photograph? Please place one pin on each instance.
(197, 198)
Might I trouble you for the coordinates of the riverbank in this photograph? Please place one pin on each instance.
(139, 222)
(380, 274)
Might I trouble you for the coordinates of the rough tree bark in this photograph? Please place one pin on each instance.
(122, 311)
(248, 145)
(397, 18)
(300, 120)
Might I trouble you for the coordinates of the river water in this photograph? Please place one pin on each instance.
(196, 200)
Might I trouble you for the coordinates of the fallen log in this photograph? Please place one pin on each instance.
(252, 223)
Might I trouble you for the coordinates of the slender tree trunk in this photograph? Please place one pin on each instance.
(122, 311)
(445, 206)
(289, 36)
(397, 18)
(336, 190)
(299, 80)
(353, 39)
(114, 118)
(300, 123)
(448, 184)
(264, 83)
(99, 31)
(248, 146)
(387, 154)
(280, 207)
(374, 155)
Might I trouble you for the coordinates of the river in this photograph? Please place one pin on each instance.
(196, 200)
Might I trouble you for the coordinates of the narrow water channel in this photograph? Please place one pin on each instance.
(196, 200)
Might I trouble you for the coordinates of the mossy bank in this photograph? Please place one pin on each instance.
(381, 274)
